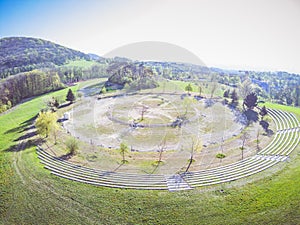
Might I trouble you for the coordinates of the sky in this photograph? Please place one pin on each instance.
(232, 34)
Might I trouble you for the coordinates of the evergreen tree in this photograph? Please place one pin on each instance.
(250, 101)
(70, 96)
(263, 112)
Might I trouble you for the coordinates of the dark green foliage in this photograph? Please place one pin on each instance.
(226, 93)
(220, 156)
(263, 111)
(20, 54)
(250, 101)
(24, 85)
(70, 96)
(189, 88)
(136, 75)
(234, 97)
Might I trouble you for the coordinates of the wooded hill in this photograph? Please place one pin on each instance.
(135, 75)
(20, 54)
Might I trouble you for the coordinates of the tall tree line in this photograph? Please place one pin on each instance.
(24, 85)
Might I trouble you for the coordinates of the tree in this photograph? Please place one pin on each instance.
(220, 156)
(143, 111)
(72, 146)
(244, 137)
(103, 90)
(52, 103)
(196, 147)
(257, 141)
(46, 123)
(226, 93)
(234, 97)
(263, 112)
(213, 88)
(250, 101)
(70, 96)
(161, 149)
(200, 89)
(246, 88)
(189, 88)
(123, 150)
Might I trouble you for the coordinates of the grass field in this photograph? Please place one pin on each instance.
(30, 195)
(81, 63)
(295, 110)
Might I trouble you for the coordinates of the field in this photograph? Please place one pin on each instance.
(30, 194)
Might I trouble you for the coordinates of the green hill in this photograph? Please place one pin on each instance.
(21, 54)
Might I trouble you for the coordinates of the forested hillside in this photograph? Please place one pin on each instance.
(20, 54)
(135, 75)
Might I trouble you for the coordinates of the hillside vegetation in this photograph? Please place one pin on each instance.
(20, 54)
(24, 85)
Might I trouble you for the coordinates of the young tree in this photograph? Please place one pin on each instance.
(196, 147)
(226, 93)
(234, 97)
(246, 88)
(103, 90)
(189, 88)
(46, 123)
(213, 88)
(123, 150)
(143, 111)
(72, 146)
(257, 141)
(70, 96)
(161, 149)
(200, 89)
(52, 103)
(263, 112)
(245, 136)
(220, 156)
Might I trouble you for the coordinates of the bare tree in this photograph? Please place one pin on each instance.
(161, 149)
(257, 141)
(123, 150)
(214, 86)
(245, 136)
(143, 110)
(195, 147)
(246, 88)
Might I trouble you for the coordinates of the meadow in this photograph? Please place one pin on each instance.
(29, 194)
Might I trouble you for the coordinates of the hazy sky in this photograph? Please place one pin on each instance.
(240, 34)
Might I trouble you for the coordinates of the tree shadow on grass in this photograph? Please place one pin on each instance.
(26, 136)
(23, 145)
(251, 115)
(66, 156)
(24, 126)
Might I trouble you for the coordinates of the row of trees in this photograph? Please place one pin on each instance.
(16, 88)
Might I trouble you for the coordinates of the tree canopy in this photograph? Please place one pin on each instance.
(250, 101)
(45, 123)
(70, 96)
(21, 54)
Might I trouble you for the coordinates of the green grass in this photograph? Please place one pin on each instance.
(81, 63)
(295, 110)
(30, 195)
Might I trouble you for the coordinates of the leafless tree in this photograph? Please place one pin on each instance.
(196, 146)
(244, 137)
(161, 148)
